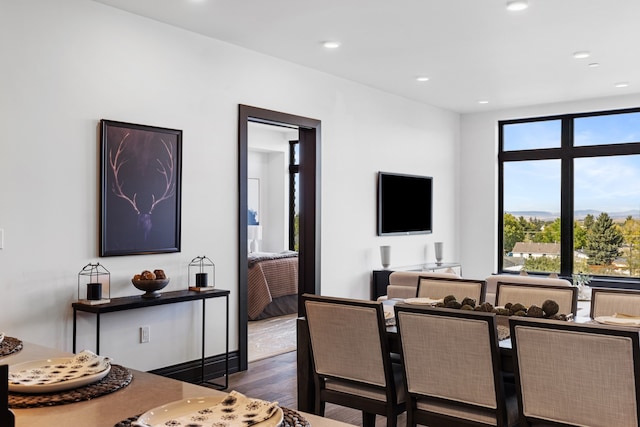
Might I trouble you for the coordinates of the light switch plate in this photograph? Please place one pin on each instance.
(145, 334)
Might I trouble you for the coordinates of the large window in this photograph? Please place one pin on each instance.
(570, 195)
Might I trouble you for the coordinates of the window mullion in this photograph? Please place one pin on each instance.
(566, 199)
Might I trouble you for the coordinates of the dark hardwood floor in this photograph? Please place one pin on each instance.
(274, 379)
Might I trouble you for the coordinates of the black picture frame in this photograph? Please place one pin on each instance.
(140, 189)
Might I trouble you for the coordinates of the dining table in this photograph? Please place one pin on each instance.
(306, 389)
(144, 392)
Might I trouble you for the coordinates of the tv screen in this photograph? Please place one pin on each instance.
(404, 204)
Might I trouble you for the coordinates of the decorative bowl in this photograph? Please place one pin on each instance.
(151, 287)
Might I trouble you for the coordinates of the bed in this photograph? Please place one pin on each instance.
(272, 284)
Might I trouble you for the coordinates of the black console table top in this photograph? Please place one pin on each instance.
(136, 301)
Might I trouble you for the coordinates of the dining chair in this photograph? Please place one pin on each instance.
(492, 282)
(529, 294)
(404, 284)
(452, 368)
(351, 359)
(575, 374)
(440, 287)
(607, 302)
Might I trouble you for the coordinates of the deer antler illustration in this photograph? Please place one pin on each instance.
(166, 169)
(116, 161)
(116, 164)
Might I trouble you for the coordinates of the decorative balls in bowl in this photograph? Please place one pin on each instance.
(150, 282)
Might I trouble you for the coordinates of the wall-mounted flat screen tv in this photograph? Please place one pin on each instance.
(404, 204)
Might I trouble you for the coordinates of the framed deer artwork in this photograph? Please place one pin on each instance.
(140, 168)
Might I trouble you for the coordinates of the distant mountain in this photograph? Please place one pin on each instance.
(543, 215)
(635, 214)
(582, 213)
(579, 215)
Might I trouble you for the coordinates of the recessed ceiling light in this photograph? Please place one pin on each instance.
(594, 65)
(622, 84)
(331, 45)
(581, 54)
(422, 79)
(515, 5)
(483, 101)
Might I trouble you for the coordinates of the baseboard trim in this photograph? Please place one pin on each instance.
(191, 371)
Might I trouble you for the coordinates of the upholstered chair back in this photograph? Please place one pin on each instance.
(452, 367)
(346, 341)
(528, 279)
(607, 302)
(576, 374)
(534, 294)
(440, 287)
(404, 284)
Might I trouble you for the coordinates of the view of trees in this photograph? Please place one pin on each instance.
(601, 245)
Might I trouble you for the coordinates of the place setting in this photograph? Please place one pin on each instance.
(618, 319)
(62, 380)
(9, 345)
(423, 301)
(389, 314)
(232, 410)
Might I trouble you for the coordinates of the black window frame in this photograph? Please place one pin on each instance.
(566, 153)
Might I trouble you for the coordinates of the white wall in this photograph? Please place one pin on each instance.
(69, 63)
(479, 177)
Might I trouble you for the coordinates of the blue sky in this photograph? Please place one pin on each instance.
(609, 184)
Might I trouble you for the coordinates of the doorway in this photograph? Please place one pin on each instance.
(309, 220)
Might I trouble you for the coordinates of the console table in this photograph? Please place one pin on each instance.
(381, 277)
(133, 302)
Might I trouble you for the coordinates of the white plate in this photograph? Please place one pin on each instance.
(422, 301)
(180, 408)
(620, 321)
(62, 373)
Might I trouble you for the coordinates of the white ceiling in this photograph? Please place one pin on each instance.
(471, 50)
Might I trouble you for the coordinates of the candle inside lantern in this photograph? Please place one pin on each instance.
(94, 291)
(201, 279)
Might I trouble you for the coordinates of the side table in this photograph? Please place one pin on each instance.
(133, 302)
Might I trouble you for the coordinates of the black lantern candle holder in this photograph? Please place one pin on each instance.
(94, 284)
(202, 274)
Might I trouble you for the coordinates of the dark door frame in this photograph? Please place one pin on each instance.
(309, 253)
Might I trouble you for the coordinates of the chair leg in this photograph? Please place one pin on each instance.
(319, 404)
(410, 421)
(368, 419)
(392, 420)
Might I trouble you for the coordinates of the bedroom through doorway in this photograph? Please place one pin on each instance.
(308, 227)
(272, 218)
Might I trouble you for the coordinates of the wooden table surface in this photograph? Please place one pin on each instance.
(145, 392)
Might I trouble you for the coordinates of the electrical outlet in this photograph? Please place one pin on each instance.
(145, 334)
